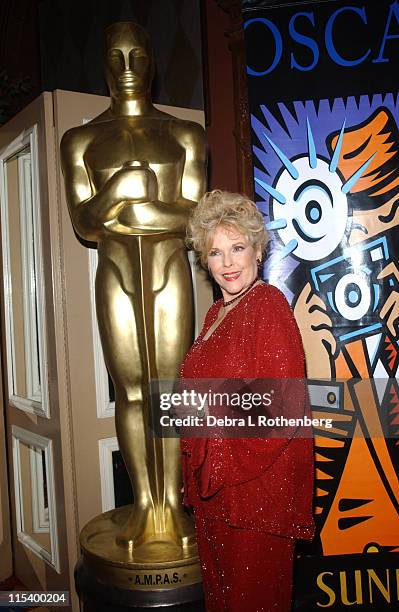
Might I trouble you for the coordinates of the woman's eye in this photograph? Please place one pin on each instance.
(213, 253)
(238, 247)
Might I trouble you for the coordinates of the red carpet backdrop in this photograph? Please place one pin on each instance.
(323, 82)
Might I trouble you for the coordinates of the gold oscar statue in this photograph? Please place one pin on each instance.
(132, 175)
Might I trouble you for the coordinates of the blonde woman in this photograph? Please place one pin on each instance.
(252, 498)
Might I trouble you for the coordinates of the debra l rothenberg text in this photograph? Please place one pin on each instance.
(258, 421)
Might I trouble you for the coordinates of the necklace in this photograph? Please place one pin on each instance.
(241, 294)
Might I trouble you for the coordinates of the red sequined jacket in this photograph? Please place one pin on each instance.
(260, 484)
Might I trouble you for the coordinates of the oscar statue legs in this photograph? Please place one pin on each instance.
(145, 338)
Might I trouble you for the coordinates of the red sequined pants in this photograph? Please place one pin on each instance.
(244, 570)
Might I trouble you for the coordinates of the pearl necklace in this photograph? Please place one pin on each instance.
(241, 294)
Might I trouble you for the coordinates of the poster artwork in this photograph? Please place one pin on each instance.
(327, 181)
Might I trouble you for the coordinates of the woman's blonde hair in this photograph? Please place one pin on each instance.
(231, 210)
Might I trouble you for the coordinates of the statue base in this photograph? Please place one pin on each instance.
(156, 573)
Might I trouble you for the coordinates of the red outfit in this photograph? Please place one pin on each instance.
(250, 496)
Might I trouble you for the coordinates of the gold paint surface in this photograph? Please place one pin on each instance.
(132, 175)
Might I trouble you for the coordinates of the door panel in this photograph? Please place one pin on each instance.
(25, 320)
(5, 531)
(29, 349)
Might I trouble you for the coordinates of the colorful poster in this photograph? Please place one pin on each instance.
(326, 174)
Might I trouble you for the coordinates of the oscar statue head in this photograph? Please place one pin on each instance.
(128, 60)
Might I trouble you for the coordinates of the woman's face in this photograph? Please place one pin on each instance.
(232, 261)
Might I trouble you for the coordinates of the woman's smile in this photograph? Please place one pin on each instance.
(231, 276)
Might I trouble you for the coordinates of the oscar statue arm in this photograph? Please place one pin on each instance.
(90, 210)
(192, 138)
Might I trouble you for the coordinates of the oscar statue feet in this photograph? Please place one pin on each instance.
(149, 524)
